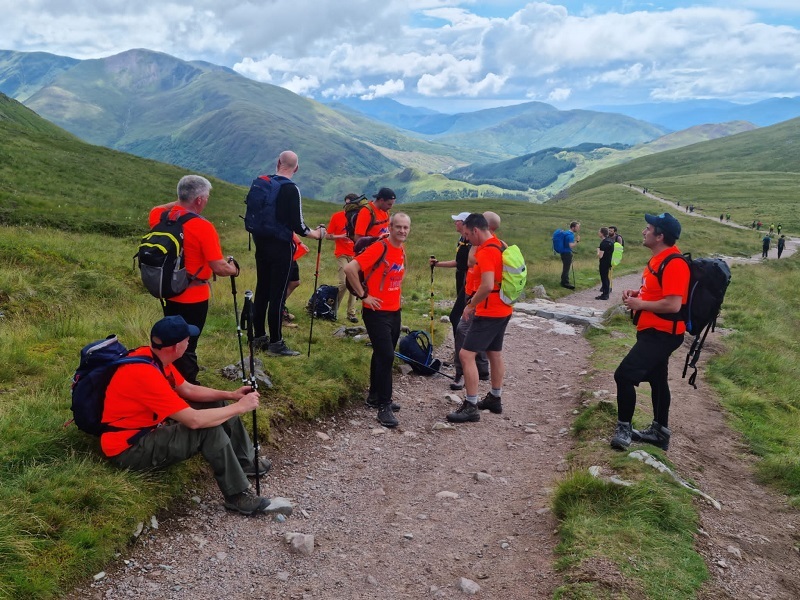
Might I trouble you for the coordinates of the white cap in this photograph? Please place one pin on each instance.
(461, 216)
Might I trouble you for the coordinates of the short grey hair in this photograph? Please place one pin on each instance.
(193, 186)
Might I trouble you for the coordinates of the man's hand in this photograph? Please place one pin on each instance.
(372, 302)
(248, 402)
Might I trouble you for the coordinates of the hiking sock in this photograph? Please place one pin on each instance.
(472, 399)
(498, 392)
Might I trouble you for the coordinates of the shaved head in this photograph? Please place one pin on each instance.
(493, 219)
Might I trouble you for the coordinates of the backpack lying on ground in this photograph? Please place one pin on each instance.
(416, 350)
(708, 281)
(514, 274)
(262, 200)
(161, 259)
(560, 244)
(322, 303)
(99, 362)
(351, 211)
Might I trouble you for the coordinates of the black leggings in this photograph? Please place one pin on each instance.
(273, 263)
(383, 328)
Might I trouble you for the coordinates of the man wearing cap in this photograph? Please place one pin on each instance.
(344, 253)
(152, 425)
(659, 332)
(373, 219)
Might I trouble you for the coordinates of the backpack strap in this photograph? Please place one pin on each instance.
(679, 316)
(498, 284)
(374, 266)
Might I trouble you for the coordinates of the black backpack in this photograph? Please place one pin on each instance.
(351, 211)
(99, 361)
(161, 257)
(361, 245)
(322, 303)
(709, 279)
(417, 351)
(260, 218)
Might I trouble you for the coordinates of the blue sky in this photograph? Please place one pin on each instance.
(450, 55)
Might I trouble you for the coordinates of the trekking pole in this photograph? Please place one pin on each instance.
(245, 381)
(315, 296)
(247, 324)
(433, 258)
(424, 366)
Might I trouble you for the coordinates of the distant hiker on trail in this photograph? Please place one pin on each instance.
(771, 228)
(160, 419)
(489, 316)
(753, 226)
(204, 258)
(657, 336)
(604, 252)
(344, 253)
(384, 266)
(758, 226)
(765, 241)
(373, 219)
(274, 252)
(779, 228)
(461, 265)
(728, 217)
(781, 245)
(721, 216)
(570, 238)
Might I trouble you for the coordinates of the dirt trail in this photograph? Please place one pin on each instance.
(369, 496)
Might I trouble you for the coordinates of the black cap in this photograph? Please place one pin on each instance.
(666, 223)
(171, 330)
(385, 194)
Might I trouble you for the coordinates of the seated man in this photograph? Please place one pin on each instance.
(141, 398)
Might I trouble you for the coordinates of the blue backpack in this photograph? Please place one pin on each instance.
(262, 202)
(560, 243)
(99, 362)
(416, 350)
(322, 303)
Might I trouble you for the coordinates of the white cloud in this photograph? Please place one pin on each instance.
(389, 88)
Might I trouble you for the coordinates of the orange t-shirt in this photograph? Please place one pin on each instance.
(379, 227)
(488, 257)
(384, 279)
(338, 226)
(139, 396)
(200, 246)
(675, 283)
(472, 281)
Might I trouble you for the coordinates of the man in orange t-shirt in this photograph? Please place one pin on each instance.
(384, 266)
(489, 316)
(373, 219)
(203, 257)
(660, 329)
(152, 423)
(344, 253)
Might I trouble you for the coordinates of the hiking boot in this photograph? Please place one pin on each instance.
(264, 465)
(655, 434)
(372, 402)
(458, 383)
(491, 403)
(287, 316)
(281, 349)
(601, 297)
(569, 286)
(386, 416)
(622, 436)
(353, 319)
(246, 502)
(261, 342)
(484, 376)
(466, 413)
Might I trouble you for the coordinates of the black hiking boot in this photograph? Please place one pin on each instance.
(372, 402)
(458, 383)
(466, 413)
(569, 286)
(264, 465)
(484, 376)
(386, 416)
(655, 434)
(622, 436)
(261, 342)
(491, 403)
(601, 297)
(281, 349)
(246, 502)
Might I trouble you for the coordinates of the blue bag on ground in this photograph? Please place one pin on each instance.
(416, 350)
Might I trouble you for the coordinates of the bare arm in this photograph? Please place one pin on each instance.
(211, 417)
(668, 304)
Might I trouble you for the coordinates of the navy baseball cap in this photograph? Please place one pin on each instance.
(666, 223)
(385, 194)
(171, 330)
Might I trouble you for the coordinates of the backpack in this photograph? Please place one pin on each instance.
(560, 244)
(417, 351)
(322, 303)
(616, 256)
(262, 202)
(361, 245)
(515, 274)
(99, 361)
(351, 212)
(161, 257)
(708, 281)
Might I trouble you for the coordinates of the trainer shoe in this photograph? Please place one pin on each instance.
(622, 436)
(491, 403)
(287, 316)
(261, 342)
(466, 413)
(386, 416)
(264, 465)
(655, 434)
(372, 402)
(601, 297)
(246, 502)
(458, 383)
(569, 286)
(281, 349)
(353, 319)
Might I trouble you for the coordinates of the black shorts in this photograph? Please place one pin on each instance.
(294, 272)
(485, 334)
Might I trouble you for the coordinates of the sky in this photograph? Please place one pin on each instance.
(448, 55)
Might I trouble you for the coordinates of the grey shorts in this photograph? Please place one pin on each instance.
(486, 334)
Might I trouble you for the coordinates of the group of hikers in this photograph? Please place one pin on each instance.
(156, 413)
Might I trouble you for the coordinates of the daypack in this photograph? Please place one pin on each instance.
(515, 274)
(161, 257)
(361, 245)
(351, 212)
(322, 303)
(417, 351)
(560, 243)
(709, 279)
(616, 256)
(262, 200)
(99, 361)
